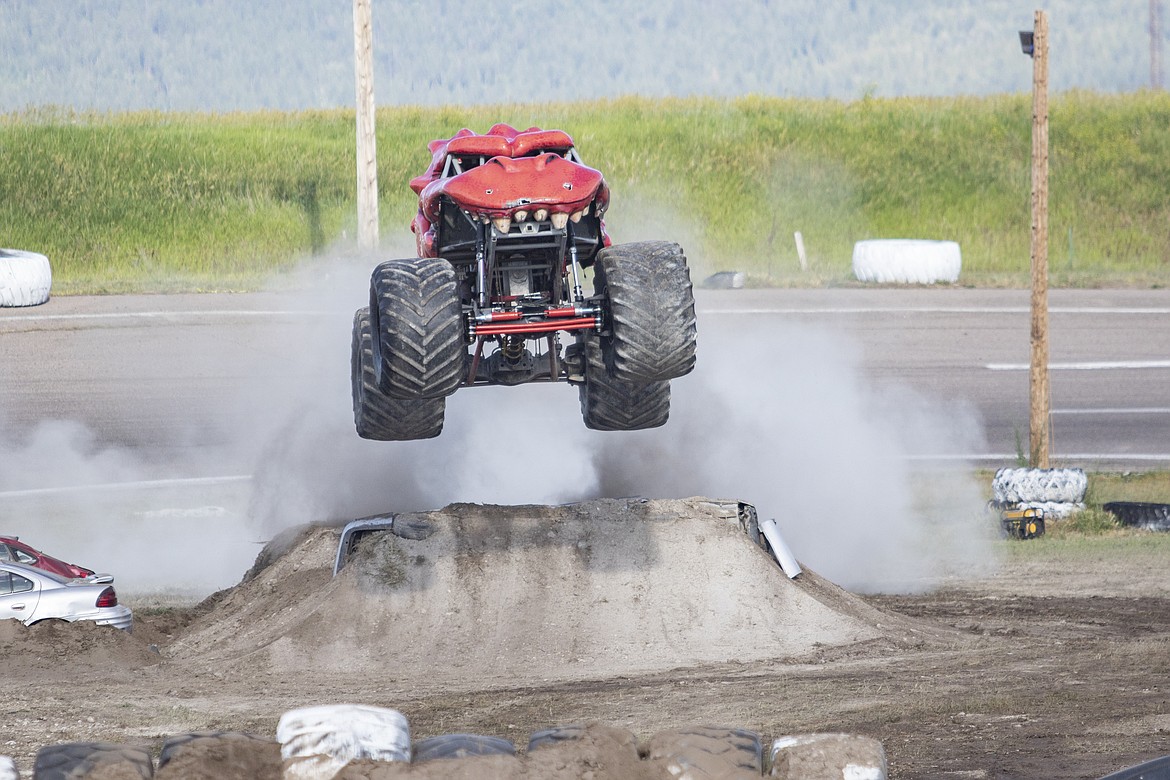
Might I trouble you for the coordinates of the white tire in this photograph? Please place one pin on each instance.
(906, 261)
(25, 278)
(1039, 486)
(1053, 509)
(316, 742)
(8, 769)
(828, 757)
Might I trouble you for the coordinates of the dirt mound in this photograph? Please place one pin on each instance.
(55, 645)
(499, 595)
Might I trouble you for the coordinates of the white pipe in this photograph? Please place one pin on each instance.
(771, 531)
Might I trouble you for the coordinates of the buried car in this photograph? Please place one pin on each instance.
(32, 595)
(12, 550)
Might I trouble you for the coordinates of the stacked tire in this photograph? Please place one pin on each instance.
(1057, 492)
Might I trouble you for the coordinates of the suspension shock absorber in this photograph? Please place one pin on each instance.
(513, 349)
(578, 295)
(481, 265)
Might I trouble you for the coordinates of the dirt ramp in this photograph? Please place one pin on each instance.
(503, 595)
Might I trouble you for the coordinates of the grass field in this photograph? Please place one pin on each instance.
(191, 201)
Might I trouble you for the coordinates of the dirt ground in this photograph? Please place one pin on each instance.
(646, 616)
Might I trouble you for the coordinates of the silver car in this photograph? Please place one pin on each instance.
(32, 595)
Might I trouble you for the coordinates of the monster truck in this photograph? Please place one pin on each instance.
(507, 223)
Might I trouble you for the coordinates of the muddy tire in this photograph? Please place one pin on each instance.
(709, 753)
(811, 756)
(416, 322)
(76, 760)
(608, 404)
(647, 290)
(460, 746)
(376, 415)
(1157, 769)
(1152, 517)
(560, 734)
(219, 755)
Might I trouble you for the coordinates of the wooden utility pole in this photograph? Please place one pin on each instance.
(1038, 378)
(367, 158)
(1155, 44)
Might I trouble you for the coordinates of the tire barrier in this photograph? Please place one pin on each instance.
(828, 757)
(709, 752)
(316, 742)
(1158, 769)
(1039, 486)
(75, 760)
(1148, 516)
(25, 278)
(906, 261)
(725, 280)
(448, 746)
(351, 741)
(219, 755)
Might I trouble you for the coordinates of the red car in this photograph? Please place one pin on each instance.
(12, 550)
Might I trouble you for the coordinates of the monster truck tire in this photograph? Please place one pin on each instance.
(316, 742)
(376, 415)
(8, 769)
(608, 404)
(460, 746)
(1029, 486)
(709, 753)
(416, 321)
(906, 261)
(651, 311)
(77, 760)
(218, 755)
(25, 278)
(1152, 517)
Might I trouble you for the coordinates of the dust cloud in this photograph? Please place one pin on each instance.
(777, 414)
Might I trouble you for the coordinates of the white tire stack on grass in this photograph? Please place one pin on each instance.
(906, 261)
(25, 278)
(1058, 492)
(316, 742)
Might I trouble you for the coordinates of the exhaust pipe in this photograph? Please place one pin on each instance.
(771, 531)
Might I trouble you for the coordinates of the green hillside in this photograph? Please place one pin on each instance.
(196, 201)
(226, 55)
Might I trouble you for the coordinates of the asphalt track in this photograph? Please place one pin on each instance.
(179, 374)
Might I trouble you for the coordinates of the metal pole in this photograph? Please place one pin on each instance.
(1038, 378)
(367, 158)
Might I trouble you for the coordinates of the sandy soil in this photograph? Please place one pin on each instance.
(645, 616)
